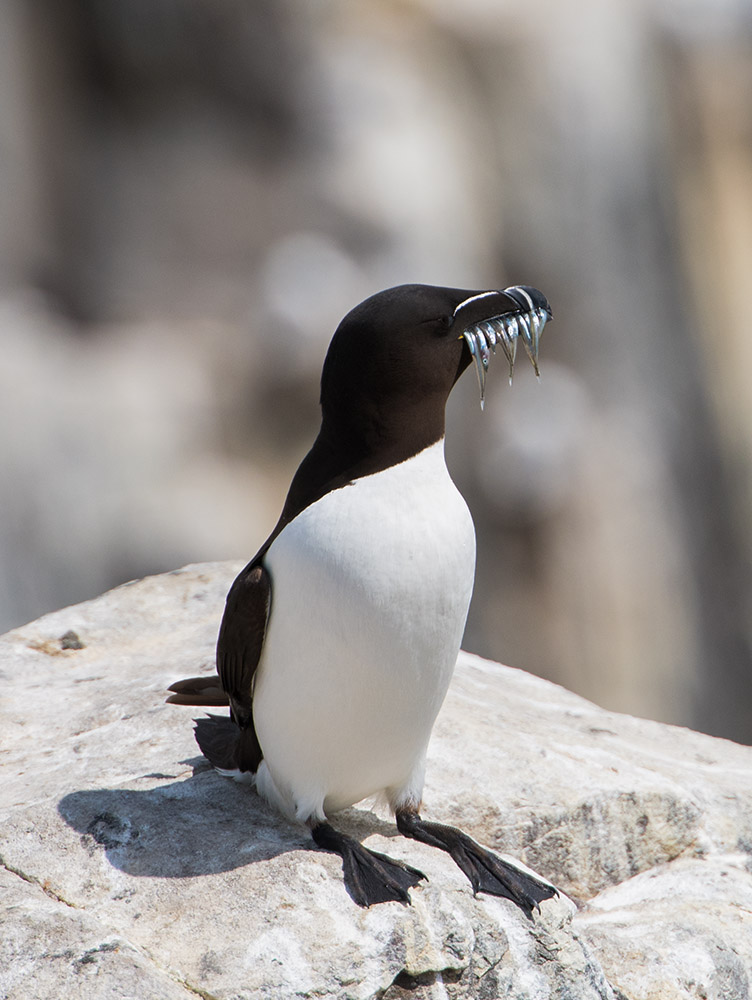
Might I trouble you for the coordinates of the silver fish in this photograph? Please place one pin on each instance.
(526, 322)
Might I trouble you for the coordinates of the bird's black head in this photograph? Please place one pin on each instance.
(396, 348)
(395, 357)
(389, 370)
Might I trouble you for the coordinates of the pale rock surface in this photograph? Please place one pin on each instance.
(132, 870)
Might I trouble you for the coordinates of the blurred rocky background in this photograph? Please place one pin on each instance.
(192, 193)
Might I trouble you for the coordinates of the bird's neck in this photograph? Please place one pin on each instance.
(348, 450)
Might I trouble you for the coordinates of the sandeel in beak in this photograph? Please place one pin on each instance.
(527, 322)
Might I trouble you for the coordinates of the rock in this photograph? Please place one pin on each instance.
(131, 869)
(681, 930)
(52, 950)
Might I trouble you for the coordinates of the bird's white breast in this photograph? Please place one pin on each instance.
(370, 591)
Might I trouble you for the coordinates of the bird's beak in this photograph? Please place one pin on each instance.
(489, 319)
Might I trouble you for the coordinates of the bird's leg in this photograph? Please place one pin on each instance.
(369, 877)
(487, 872)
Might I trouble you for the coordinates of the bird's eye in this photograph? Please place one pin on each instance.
(440, 323)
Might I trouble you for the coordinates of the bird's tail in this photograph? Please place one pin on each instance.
(226, 746)
(229, 747)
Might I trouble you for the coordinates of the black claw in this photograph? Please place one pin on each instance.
(486, 872)
(370, 877)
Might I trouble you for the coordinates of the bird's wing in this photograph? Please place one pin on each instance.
(241, 638)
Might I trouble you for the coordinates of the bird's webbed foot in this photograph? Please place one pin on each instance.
(487, 872)
(370, 877)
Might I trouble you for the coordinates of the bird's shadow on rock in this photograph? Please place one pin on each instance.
(201, 825)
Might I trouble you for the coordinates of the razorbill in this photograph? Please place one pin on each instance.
(339, 638)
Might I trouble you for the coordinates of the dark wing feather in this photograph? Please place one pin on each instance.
(241, 638)
(232, 743)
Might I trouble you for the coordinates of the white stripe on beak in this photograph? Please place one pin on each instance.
(474, 298)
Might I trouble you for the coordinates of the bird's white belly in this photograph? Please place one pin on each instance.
(370, 591)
